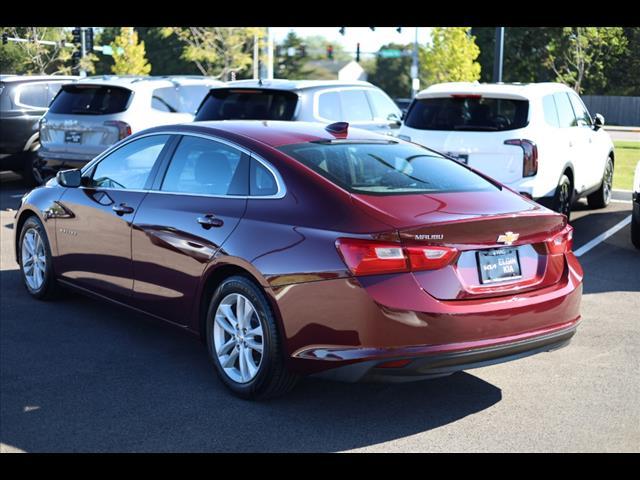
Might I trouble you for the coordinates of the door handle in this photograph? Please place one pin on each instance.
(122, 208)
(209, 220)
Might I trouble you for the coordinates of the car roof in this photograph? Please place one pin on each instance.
(35, 78)
(510, 89)
(271, 132)
(134, 82)
(283, 84)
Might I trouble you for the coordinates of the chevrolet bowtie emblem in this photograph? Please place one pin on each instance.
(508, 238)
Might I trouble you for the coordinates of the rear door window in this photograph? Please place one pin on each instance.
(355, 106)
(384, 109)
(248, 104)
(206, 167)
(468, 112)
(550, 111)
(183, 99)
(582, 115)
(329, 106)
(262, 181)
(566, 116)
(33, 95)
(91, 100)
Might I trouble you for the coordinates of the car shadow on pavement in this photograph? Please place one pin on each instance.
(81, 375)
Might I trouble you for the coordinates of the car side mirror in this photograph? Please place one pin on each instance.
(393, 119)
(598, 121)
(69, 178)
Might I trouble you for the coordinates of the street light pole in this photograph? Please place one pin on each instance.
(83, 50)
(269, 53)
(415, 81)
(499, 55)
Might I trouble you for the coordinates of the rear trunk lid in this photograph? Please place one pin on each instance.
(461, 220)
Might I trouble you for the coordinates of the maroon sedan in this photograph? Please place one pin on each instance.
(293, 248)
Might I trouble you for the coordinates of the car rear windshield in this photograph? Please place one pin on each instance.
(386, 168)
(473, 112)
(91, 100)
(248, 104)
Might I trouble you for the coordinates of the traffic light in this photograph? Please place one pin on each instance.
(5, 38)
(358, 52)
(77, 35)
(88, 40)
(330, 52)
(342, 30)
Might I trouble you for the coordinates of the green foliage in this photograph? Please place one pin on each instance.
(217, 51)
(623, 72)
(451, 57)
(393, 75)
(129, 54)
(291, 67)
(165, 53)
(581, 53)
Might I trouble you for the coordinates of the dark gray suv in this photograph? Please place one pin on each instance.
(24, 99)
(361, 104)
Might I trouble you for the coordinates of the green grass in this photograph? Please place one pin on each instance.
(627, 155)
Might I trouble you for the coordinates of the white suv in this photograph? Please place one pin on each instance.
(92, 114)
(538, 139)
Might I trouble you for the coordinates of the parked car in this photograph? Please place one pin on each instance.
(361, 104)
(93, 114)
(23, 101)
(635, 217)
(538, 139)
(403, 104)
(293, 248)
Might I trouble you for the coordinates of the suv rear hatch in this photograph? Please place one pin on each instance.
(473, 128)
(247, 104)
(85, 119)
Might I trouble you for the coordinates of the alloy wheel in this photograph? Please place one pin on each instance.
(238, 340)
(34, 259)
(608, 181)
(563, 199)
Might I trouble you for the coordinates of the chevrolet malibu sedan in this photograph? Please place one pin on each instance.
(294, 248)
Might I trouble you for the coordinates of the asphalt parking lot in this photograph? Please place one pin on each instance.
(81, 375)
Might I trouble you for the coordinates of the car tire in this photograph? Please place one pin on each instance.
(601, 197)
(635, 227)
(265, 374)
(31, 172)
(35, 243)
(563, 198)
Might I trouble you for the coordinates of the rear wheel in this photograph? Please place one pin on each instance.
(635, 227)
(563, 196)
(601, 197)
(36, 261)
(244, 343)
(32, 168)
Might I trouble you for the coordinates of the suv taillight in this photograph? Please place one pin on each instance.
(370, 257)
(561, 242)
(124, 129)
(529, 158)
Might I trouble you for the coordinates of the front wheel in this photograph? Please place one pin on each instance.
(244, 343)
(601, 197)
(563, 196)
(36, 262)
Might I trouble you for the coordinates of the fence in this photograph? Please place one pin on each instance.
(616, 110)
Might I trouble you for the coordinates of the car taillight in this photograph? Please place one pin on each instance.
(530, 156)
(124, 129)
(370, 257)
(561, 242)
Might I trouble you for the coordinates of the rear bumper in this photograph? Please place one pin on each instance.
(72, 159)
(417, 365)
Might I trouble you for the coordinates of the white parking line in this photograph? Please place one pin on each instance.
(602, 237)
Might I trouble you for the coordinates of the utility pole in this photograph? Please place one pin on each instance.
(256, 57)
(83, 50)
(499, 55)
(269, 53)
(415, 81)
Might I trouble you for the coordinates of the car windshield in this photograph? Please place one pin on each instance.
(247, 104)
(90, 100)
(468, 112)
(386, 168)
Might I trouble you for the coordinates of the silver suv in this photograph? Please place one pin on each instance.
(361, 104)
(90, 115)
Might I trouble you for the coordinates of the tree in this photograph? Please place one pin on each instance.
(393, 75)
(623, 75)
(129, 54)
(165, 53)
(291, 66)
(451, 57)
(217, 51)
(35, 57)
(579, 55)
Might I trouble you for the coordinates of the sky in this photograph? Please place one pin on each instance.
(370, 41)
